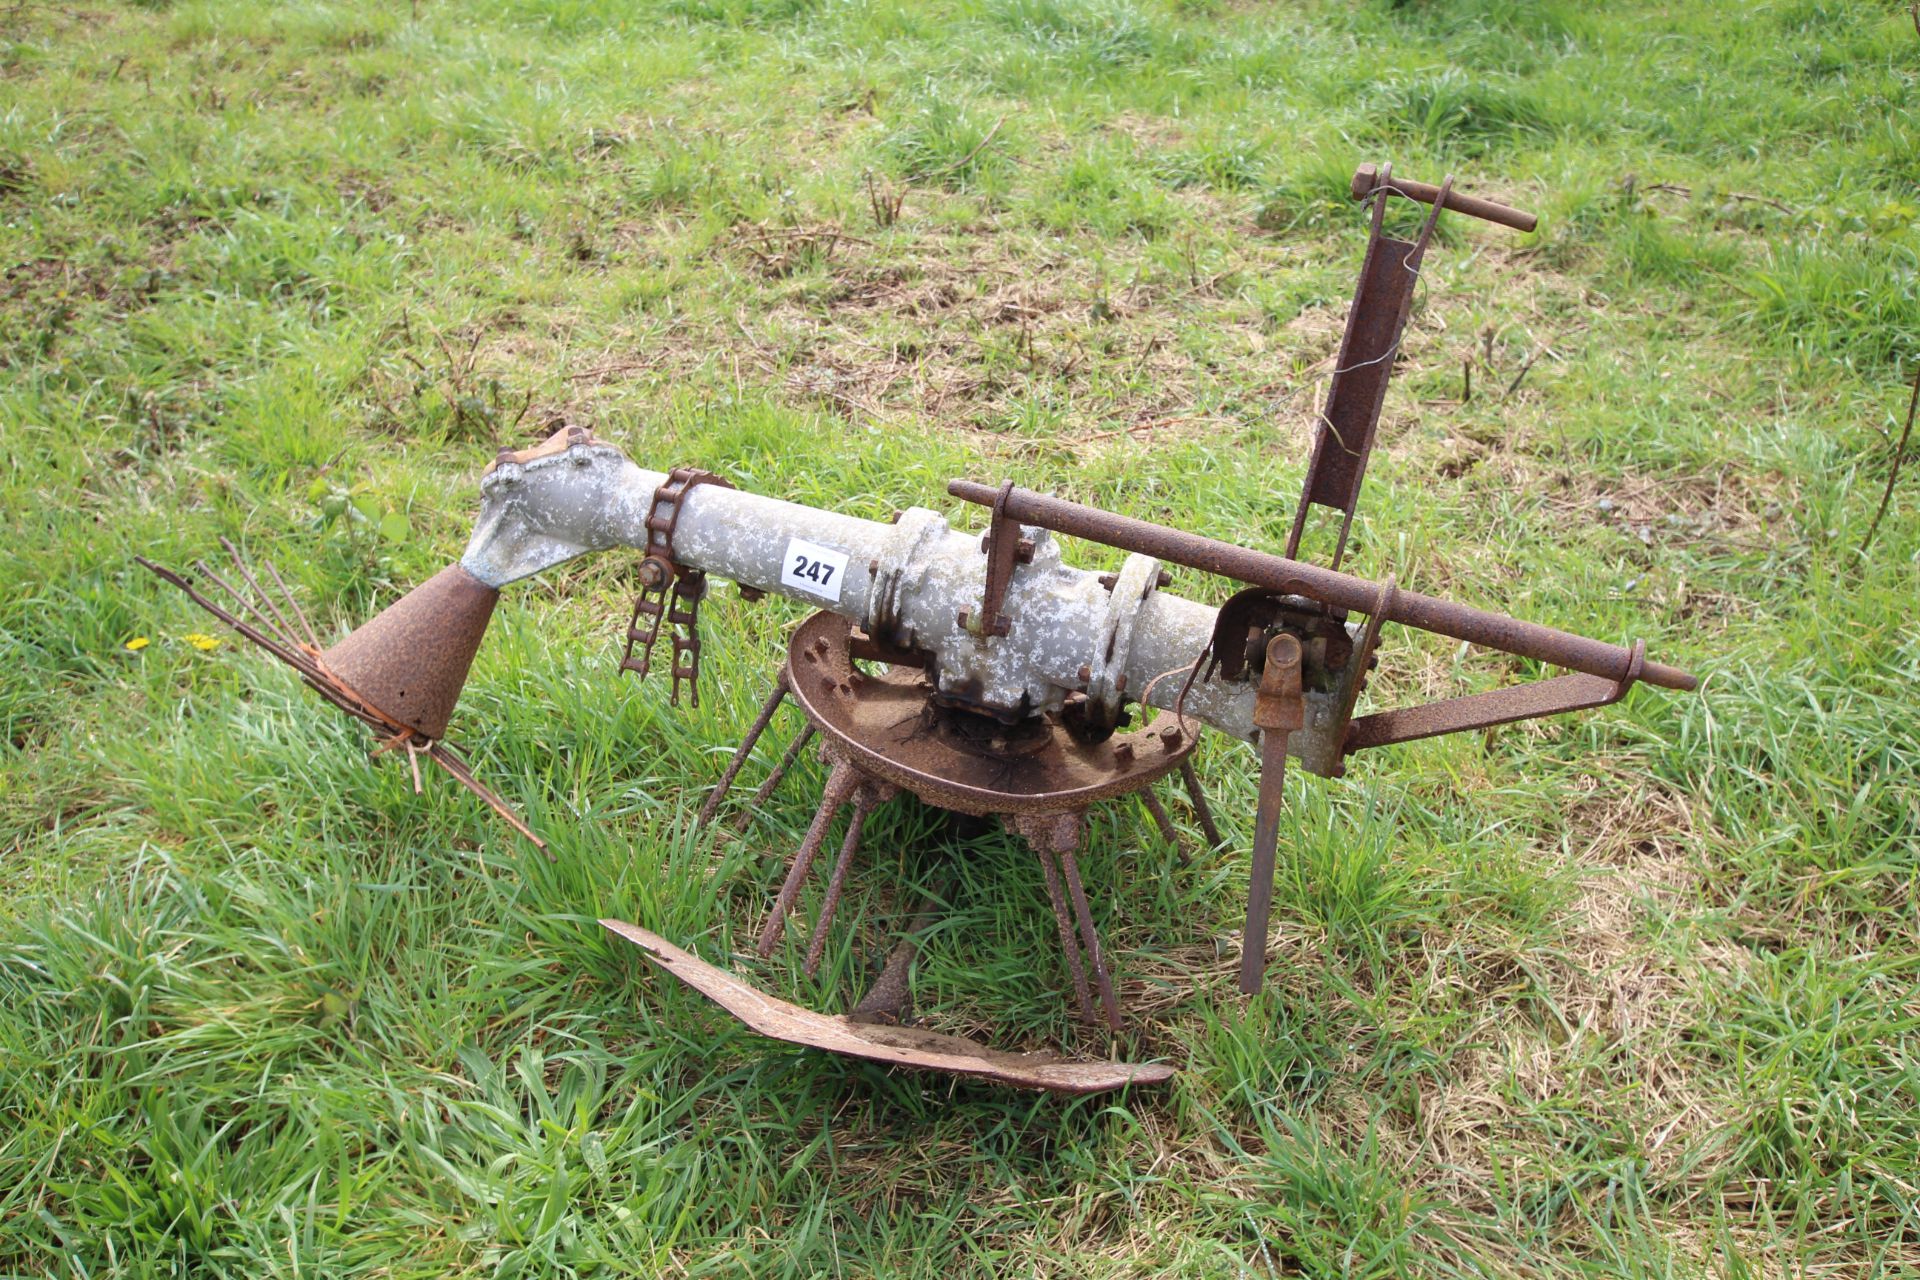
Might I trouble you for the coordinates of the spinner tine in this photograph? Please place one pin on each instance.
(863, 804)
(245, 602)
(773, 781)
(1201, 809)
(745, 749)
(246, 574)
(840, 786)
(293, 602)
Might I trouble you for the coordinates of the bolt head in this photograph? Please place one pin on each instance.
(654, 573)
(1365, 179)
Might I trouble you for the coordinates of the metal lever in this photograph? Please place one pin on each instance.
(1366, 180)
(1329, 586)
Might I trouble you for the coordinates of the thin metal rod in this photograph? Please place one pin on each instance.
(1090, 939)
(247, 603)
(840, 785)
(766, 790)
(443, 756)
(1068, 946)
(1342, 590)
(1164, 821)
(1266, 842)
(246, 573)
(863, 803)
(293, 658)
(1201, 809)
(293, 602)
(759, 726)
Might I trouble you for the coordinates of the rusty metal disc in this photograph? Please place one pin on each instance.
(896, 1046)
(887, 723)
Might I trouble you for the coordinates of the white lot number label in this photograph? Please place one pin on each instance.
(814, 569)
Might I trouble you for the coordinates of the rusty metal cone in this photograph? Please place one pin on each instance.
(403, 670)
(410, 660)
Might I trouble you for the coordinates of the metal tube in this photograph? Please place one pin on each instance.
(1342, 590)
(1367, 177)
(908, 582)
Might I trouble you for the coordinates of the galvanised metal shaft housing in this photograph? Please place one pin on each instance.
(907, 582)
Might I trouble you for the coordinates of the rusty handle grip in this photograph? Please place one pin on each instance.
(1367, 177)
(1342, 590)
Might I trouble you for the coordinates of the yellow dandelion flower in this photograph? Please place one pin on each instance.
(201, 642)
(138, 643)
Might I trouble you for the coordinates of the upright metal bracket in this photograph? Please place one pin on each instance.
(1382, 300)
(1005, 547)
(1278, 711)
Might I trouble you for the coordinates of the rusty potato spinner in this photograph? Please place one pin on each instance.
(977, 672)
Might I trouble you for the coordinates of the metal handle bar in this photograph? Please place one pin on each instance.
(1367, 178)
(1342, 590)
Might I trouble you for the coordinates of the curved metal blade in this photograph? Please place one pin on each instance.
(896, 1046)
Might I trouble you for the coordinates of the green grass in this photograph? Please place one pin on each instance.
(1630, 994)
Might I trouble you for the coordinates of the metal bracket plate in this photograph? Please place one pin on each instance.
(1382, 300)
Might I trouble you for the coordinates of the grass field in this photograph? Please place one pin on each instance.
(1633, 994)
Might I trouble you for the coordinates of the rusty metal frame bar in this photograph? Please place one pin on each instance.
(1262, 568)
(1330, 586)
(1486, 710)
(1368, 177)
